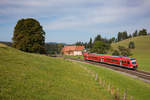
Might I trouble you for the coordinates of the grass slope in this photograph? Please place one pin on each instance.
(141, 52)
(25, 76)
(136, 88)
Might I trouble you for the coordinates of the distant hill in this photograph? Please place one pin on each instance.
(6, 43)
(141, 51)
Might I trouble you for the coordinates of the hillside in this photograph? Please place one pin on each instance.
(141, 51)
(38, 77)
(25, 76)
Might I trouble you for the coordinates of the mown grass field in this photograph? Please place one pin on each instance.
(141, 51)
(25, 76)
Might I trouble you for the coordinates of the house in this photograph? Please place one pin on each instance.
(73, 50)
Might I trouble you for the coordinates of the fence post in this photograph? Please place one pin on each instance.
(117, 94)
(131, 98)
(125, 95)
(104, 83)
(108, 87)
(112, 91)
(96, 77)
(100, 81)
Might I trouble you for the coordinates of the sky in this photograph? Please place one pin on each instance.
(69, 21)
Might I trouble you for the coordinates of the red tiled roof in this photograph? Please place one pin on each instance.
(73, 48)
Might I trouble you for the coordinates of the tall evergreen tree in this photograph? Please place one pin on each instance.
(98, 38)
(29, 36)
(119, 38)
(135, 33)
(124, 35)
(90, 43)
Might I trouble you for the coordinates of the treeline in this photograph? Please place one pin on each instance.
(124, 35)
(98, 45)
(54, 48)
(102, 45)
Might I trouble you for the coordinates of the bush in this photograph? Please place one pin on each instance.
(131, 45)
(124, 51)
(116, 53)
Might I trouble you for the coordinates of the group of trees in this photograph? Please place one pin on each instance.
(124, 35)
(29, 36)
(54, 48)
(98, 45)
(122, 51)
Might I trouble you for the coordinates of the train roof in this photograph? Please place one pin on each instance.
(131, 58)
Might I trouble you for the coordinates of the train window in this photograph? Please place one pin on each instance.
(133, 61)
(128, 62)
(124, 61)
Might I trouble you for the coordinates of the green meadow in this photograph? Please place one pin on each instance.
(136, 88)
(25, 76)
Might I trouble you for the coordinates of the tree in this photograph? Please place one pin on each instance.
(116, 53)
(131, 45)
(100, 47)
(112, 39)
(143, 32)
(90, 43)
(79, 43)
(98, 38)
(130, 36)
(119, 36)
(124, 35)
(29, 36)
(135, 33)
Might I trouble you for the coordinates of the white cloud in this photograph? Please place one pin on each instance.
(83, 15)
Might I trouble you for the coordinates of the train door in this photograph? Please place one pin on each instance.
(120, 62)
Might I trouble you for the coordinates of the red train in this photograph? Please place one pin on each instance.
(114, 60)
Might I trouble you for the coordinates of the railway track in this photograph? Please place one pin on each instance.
(139, 74)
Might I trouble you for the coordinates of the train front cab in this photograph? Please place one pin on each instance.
(133, 64)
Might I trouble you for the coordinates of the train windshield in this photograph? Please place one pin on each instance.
(133, 61)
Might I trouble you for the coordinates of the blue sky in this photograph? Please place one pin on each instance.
(69, 21)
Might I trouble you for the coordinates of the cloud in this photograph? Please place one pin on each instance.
(82, 15)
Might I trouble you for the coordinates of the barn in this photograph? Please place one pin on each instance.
(73, 50)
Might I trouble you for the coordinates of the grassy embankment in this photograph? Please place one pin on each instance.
(141, 51)
(25, 76)
(136, 88)
(74, 57)
(32, 76)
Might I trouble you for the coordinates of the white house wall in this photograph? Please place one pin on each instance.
(77, 53)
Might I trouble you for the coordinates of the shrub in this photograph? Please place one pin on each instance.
(116, 53)
(124, 51)
(131, 45)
